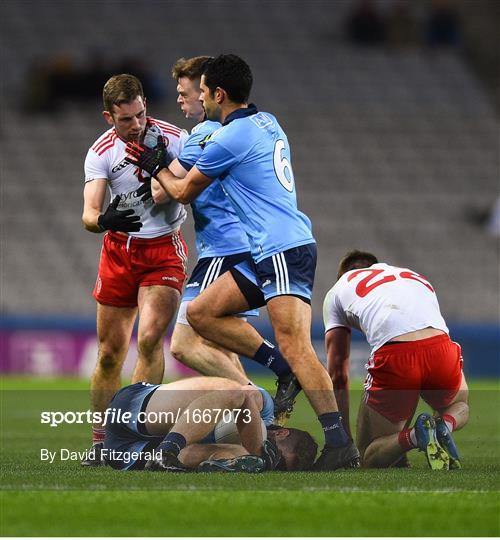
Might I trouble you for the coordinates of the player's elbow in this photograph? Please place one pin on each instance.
(89, 224)
(160, 196)
(184, 198)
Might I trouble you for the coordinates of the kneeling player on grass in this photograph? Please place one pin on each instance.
(166, 421)
(412, 356)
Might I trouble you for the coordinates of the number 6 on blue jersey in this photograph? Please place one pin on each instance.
(282, 165)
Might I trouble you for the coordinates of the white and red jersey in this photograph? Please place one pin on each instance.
(106, 159)
(383, 302)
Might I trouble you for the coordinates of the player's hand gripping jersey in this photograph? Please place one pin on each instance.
(250, 156)
(383, 302)
(218, 229)
(106, 160)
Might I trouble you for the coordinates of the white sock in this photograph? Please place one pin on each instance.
(413, 437)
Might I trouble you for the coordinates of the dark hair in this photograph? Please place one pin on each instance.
(120, 89)
(232, 74)
(192, 68)
(300, 444)
(355, 259)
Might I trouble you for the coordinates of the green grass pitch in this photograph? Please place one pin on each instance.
(63, 499)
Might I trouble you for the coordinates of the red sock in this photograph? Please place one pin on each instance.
(450, 421)
(404, 440)
(98, 435)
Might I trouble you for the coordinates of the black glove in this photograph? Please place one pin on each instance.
(144, 192)
(151, 160)
(271, 455)
(119, 220)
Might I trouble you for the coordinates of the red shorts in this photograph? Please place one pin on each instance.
(399, 373)
(128, 263)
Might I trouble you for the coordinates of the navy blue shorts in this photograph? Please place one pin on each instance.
(289, 272)
(207, 270)
(124, 438)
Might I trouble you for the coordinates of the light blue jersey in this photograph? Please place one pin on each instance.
(218, 229)
(250, 155)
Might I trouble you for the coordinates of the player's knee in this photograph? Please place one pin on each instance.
(110, 360)
(235, 397)
(195, 316)
(183, 346)
(251, 399)
(177, 349)
(365, 454)
(252, 394)
(371, 458)
(148, 343)
(184, 352)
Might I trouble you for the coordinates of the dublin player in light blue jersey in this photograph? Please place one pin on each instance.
(250, 156)
(221, 242)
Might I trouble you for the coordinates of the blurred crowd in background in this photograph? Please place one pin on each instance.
(404, 24)
(391, 108)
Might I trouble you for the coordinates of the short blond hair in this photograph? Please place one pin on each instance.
(120, 89)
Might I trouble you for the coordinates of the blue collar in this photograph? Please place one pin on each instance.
(241, 113)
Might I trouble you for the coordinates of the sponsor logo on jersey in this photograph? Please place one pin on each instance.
(194, 284)
(120, 166)
(261, 120)
(204, 141)
(266, 283)
(169, 278)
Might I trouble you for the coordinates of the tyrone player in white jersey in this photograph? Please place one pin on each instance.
(412, 356)
(142, 267)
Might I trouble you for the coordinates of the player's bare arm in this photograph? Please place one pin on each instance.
(110, 220)
(184, 190)
(159, 194)
(338, 348)
(93, 199)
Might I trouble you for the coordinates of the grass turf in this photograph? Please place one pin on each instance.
(63, 499)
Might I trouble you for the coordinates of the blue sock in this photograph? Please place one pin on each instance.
(173, 443)
(269, 356)
(333, 429)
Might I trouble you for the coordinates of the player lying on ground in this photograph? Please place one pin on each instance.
(250, 156)
(176, 428)
(412, 356)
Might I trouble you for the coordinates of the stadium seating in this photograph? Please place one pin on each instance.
(390, 148)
